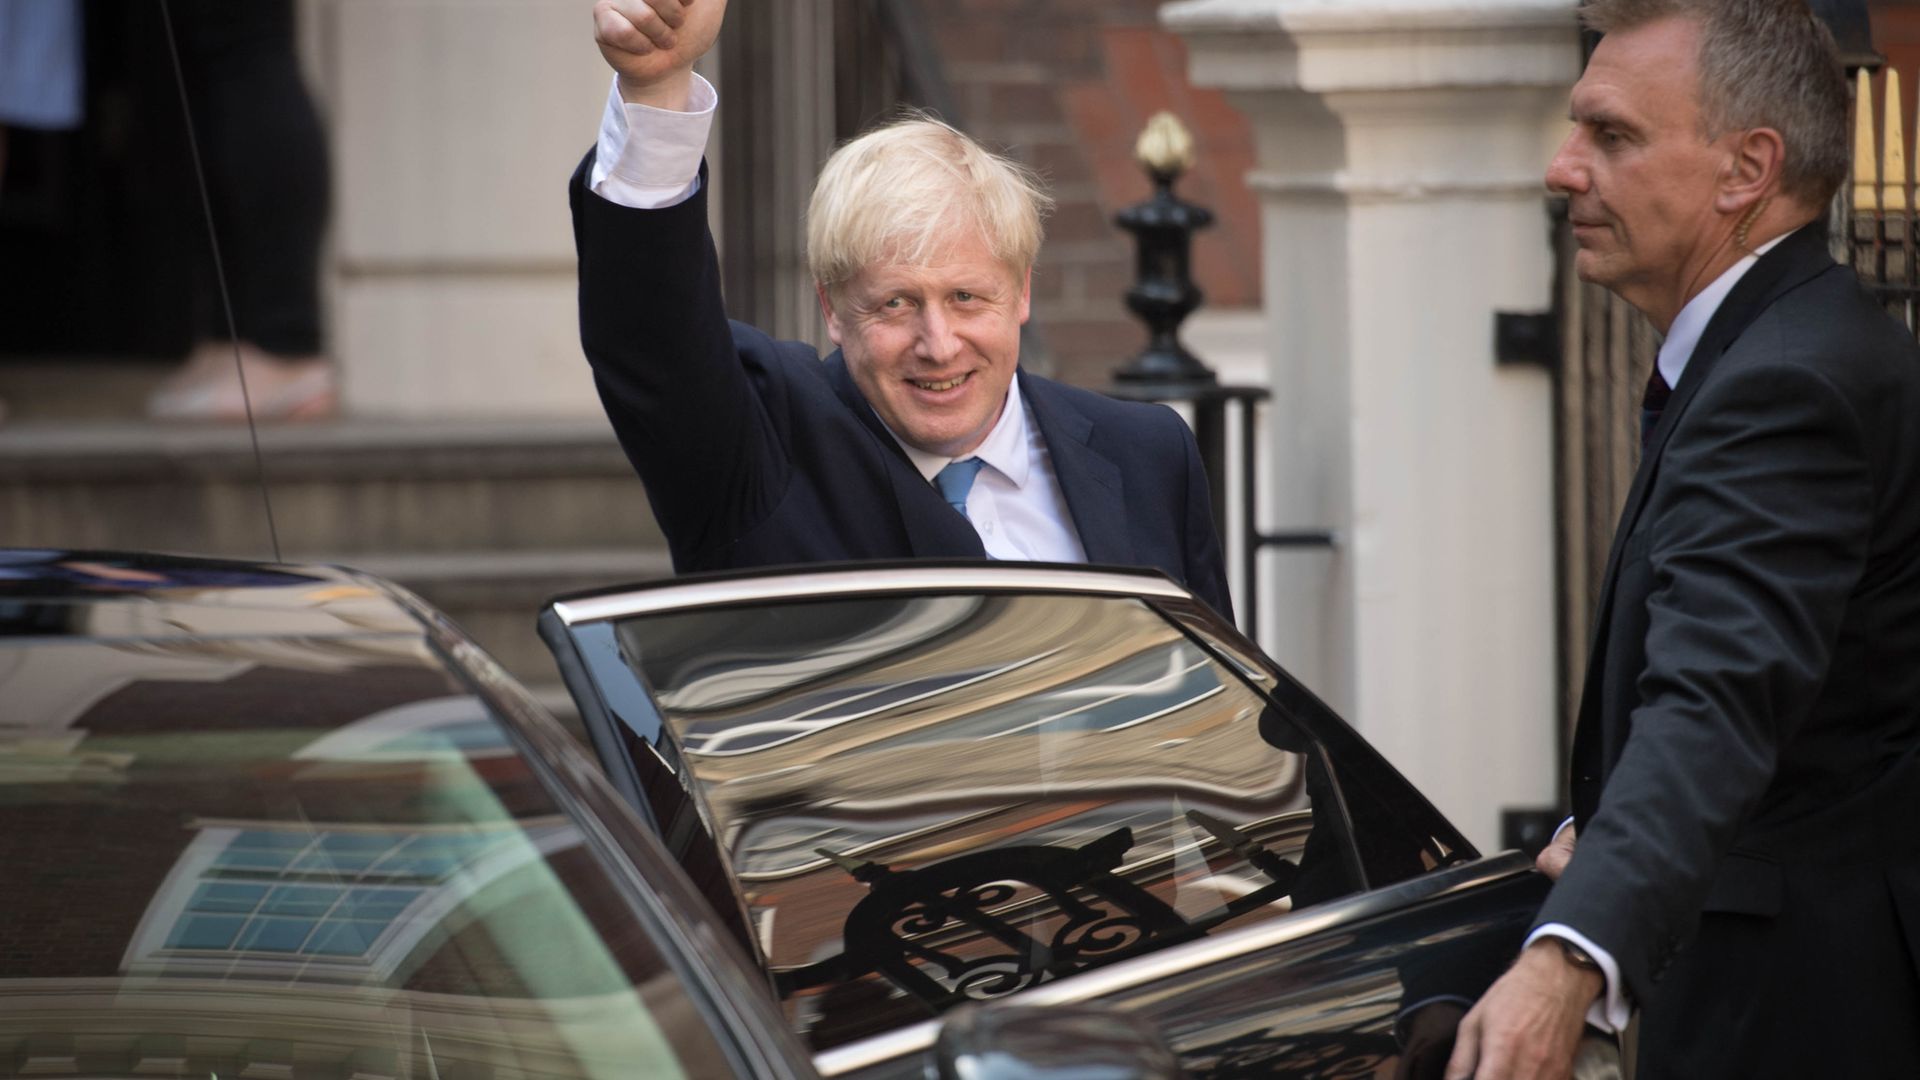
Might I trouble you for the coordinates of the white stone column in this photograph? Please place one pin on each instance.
(453, 129)
(1401, 145)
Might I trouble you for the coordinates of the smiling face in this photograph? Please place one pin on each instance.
(1639, 171)
(933, 348)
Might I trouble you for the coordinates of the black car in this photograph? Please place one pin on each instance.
(266, 821)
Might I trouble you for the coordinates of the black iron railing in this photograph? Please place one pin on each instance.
(1163, 295)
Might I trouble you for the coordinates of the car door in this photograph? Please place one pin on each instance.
(915, 786)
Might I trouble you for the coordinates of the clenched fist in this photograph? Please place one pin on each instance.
(652, 44)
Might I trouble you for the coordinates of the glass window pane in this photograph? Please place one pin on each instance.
(217, 896)
(205, 931)
(942, 788)
(274, 935)
(359, 843)
(301, 900)
(335, 864)
(376, 903)
(342, 937)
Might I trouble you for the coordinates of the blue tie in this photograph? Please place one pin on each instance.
(956, 480)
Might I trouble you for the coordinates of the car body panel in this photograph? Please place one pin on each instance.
(1326, 992)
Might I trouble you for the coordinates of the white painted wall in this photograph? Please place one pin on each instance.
(1400, 147)
(454, 125)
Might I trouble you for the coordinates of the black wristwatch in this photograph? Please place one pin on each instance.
(1578, 956)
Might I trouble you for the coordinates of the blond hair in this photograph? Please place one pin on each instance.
(1763, 63)
(899, 192)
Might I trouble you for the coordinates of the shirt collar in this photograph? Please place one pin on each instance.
(1684, 335)
(1004, 449)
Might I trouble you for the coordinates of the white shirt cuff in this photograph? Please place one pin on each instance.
(649, 158)
(1609, 1012)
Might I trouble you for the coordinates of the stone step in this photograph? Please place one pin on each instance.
(342, 489)
(97, 388)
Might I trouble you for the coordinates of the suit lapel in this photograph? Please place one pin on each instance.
(1094, 487)
(933, 530)
(843, 385)
(1796, 259)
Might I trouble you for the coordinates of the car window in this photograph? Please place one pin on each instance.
(929, 799)
(1397, 832)
(313, 857)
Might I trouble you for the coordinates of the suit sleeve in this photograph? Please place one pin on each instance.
(1757, 532)
(668, 369)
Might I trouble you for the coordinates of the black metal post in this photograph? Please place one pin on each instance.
(1163, 295)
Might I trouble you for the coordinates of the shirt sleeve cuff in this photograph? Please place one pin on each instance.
(1609, 1012)
(649, 158)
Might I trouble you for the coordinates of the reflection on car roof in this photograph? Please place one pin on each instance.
(116, 596)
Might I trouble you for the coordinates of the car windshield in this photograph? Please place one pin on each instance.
(314, 857)
(929, 799)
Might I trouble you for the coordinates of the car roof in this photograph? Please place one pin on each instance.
(107, 595)
(834, 580)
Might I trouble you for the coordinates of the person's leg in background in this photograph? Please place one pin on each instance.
(265, 158)
(40, 70)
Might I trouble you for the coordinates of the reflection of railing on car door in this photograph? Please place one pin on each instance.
(1103, 916)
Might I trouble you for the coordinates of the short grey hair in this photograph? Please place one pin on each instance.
(1763, 63)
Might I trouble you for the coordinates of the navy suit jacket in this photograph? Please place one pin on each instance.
(1745, 779)
(757, 452)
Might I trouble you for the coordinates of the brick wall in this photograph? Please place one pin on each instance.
(1067, 85)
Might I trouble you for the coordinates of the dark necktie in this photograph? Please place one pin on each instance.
(956, 480)
(1657, 394)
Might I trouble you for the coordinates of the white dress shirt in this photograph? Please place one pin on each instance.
(1684, 335)
(649, 158)
(1610, 1011)
(1016, 504)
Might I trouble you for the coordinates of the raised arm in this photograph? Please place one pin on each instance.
(652, 321)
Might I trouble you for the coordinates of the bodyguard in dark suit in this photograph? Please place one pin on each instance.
(919, 436)
(1746, 791)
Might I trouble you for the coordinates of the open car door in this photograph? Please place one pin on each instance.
(917, 785)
